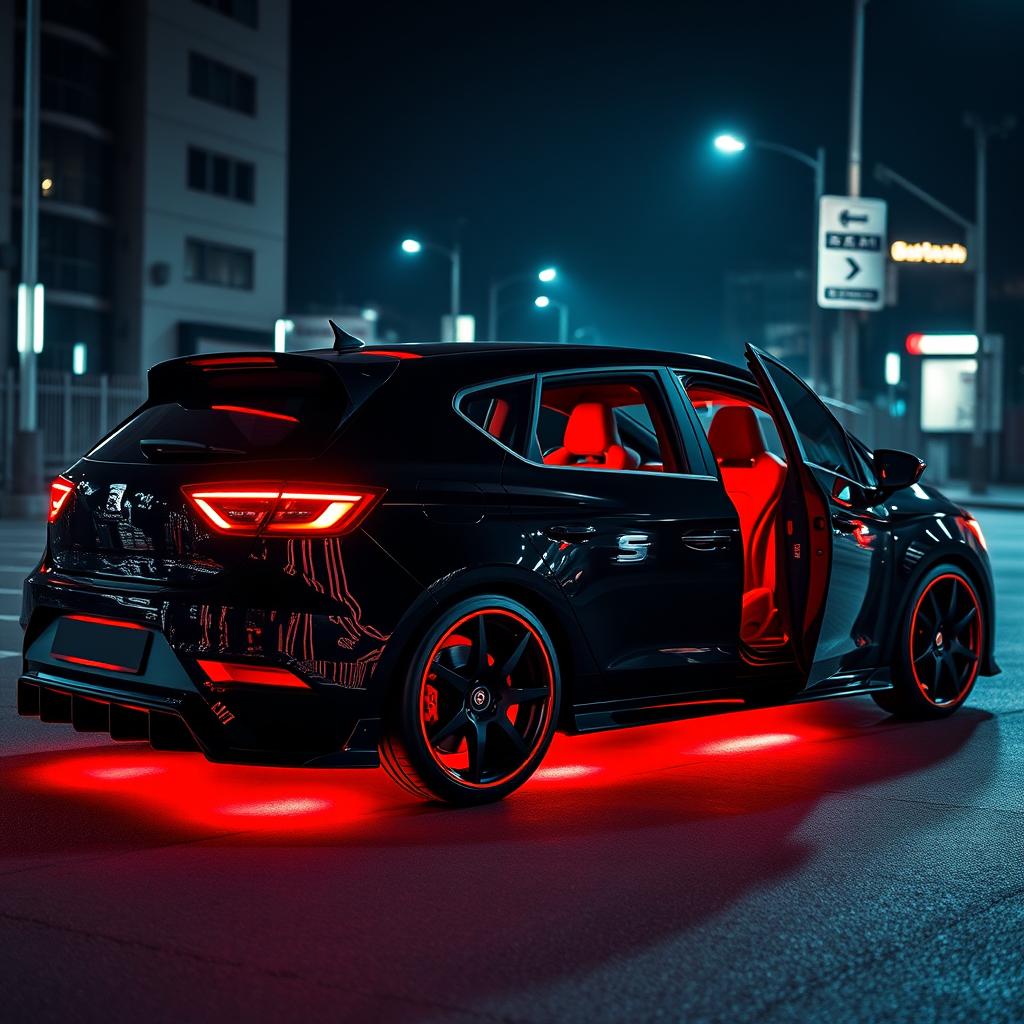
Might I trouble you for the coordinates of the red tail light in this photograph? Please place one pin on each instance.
(248, 510)
(60, 492)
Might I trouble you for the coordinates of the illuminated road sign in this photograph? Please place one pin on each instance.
(851, 253)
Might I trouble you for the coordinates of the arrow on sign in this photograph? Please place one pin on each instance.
(854, 268)
(846, 218)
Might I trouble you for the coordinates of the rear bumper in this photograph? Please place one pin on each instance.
(171, 702)
(180, 723)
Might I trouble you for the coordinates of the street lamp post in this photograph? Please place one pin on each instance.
(545, 302)
(983, 383)
(413, 246)
(546, 276)
(27, 471)
(731, 145)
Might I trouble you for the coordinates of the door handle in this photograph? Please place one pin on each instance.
(569, 532)
(708, 541)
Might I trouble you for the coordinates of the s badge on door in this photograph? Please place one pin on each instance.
(632, 547)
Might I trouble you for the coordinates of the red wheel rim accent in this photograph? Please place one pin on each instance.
(945, 642)
(486, 697)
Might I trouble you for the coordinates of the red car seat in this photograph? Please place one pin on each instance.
(592, 439)
(753, 479)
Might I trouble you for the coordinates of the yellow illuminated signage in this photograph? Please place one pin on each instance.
(928, 252)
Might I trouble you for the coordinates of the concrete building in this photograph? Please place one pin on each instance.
(163, 167)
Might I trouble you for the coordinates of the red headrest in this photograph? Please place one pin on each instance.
(591, 429)
(735, 436)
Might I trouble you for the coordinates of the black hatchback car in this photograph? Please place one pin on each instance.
(435, 556)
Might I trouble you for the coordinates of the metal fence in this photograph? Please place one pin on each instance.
(73, 413)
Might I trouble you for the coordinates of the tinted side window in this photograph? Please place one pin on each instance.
(822, 439)
(503, 411)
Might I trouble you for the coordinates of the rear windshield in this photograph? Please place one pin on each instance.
(264, 412)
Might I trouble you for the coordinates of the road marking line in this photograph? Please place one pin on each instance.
(9, 618)
(10, 590)
(19, 569)
(10, 654)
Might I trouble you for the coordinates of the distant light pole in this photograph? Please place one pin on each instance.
(545, 276)
(731, 145)
(546, 302)
(28, 450)
(413, 246)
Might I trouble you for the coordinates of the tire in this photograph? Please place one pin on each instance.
(938, 648)
(478, 704)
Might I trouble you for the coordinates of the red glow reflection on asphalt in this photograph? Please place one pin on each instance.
(187, 788)
(131, 772)
(744, 744)
(184, 788)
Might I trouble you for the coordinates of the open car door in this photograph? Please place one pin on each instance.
(828, 527)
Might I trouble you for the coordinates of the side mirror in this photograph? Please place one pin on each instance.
(896, 470)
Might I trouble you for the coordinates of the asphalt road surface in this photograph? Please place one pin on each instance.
(818, 863)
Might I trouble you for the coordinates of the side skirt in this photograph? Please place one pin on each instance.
(625, 714)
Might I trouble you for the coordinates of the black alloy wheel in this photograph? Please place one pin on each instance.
(479, 704)
(940, 648)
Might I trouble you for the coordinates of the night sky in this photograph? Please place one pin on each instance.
(579, 134)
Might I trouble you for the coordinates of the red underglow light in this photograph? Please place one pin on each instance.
(60, 490)
(100, 620)
(264, 413)
(560, 772)
(255, 675)
(394, 353)
(287, 808)
(131, 772)
(746, 744)
(587, 784)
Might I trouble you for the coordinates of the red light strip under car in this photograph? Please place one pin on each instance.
(246, 411)
(255, 675)
(248, 510)
(60, 490)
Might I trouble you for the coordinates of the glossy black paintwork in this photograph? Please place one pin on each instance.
(461, 515)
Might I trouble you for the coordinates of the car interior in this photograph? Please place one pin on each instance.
(747, 448)
(604, 425)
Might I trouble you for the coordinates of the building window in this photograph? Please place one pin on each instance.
(210, 80)
(224, 265)
(74, 255)
(221, 175)
(245, 11)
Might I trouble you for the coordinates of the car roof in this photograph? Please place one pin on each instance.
(532, 357)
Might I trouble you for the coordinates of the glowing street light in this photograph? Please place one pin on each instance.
(413, 247)
(545, 276)
(546, 302)
(729, 144)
